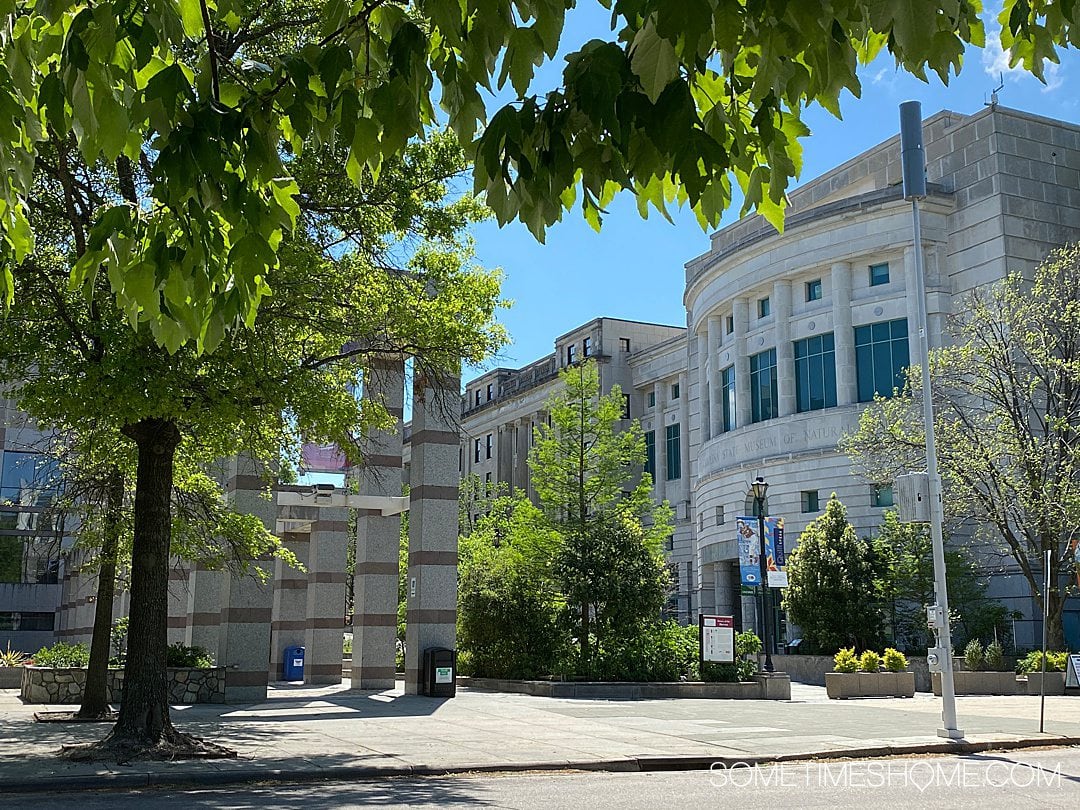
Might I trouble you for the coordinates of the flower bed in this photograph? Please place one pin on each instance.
(64, 685)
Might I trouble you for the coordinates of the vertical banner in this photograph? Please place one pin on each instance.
(775, 560)
(749, 545)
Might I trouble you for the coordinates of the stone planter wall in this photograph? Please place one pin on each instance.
(1055, 683)
(813, 668)
(982, 683)
(10, 677)
(776, 686)
(186, 685)
(843, 685)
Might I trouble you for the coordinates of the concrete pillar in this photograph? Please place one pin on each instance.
(716, 409)
(684, 433)
(247, 603)
(740, 315)
(433, 525)
(326, 596)
(203, 608)
(524, 433)
(843, 334)
(178, 601)
(660, 447)
(289, 618)
(785, 349)
(378, 538)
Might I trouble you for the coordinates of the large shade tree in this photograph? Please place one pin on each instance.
(1007, 421)
(213, 99)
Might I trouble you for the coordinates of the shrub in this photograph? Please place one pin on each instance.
(12, 658)
(179, 655)
(118, 641)
(62, 655)
(995, 656)
(846, 660)
(747, 646)
(346, 645)
(1032, 662)
(662, 651)
(893, 660)
(869, 661)
(974, 655)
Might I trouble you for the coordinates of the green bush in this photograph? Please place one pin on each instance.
(118, 641)
(974, 655)
(747, 647)
(62, 655)
(846, 660)
(662, 651)
(869, 661)
(995, 656)
(893, 660)
(1032, 662)
(179, 655)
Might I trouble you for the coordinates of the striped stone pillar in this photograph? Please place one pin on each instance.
(246, 603)
(378, 538)
(326, 596)
(433, 524)
(289, 617)
(179, 573)
(203, 608)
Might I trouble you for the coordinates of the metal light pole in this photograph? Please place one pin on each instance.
(761, 487)
(914, 170)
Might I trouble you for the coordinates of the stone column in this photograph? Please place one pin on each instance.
(178, 601)
(378, 538)
(289, 619)
(785, 350)
(716, 408)
(740, 315)
(246, 603)
(203, 608)
(433, 525)
(326, 596)
(660, 446)
(684, 433)
(843, 334)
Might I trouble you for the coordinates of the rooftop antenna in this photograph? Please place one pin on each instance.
(994, 92)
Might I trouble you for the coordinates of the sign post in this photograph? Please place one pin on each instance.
(716, 635)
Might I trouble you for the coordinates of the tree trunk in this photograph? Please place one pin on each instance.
(144, 709)
(95, 702)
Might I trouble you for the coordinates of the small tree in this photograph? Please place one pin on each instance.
(831, 593)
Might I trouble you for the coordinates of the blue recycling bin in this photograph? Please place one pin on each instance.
(293, 665)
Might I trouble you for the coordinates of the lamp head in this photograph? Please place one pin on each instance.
(760, 487)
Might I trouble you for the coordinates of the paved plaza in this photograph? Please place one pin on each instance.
(333, 732)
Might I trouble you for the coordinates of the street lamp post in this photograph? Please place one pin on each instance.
(761, 487)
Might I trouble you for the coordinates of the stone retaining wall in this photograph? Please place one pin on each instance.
(10, 677)
(773, 687)
(186, 685)
(812, 669)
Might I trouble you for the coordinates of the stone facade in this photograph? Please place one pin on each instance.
(186, 685)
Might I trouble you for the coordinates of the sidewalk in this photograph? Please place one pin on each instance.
(304, 733)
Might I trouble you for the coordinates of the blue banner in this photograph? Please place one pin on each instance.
(750, 548)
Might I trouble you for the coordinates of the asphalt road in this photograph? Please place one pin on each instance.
(1048, 778)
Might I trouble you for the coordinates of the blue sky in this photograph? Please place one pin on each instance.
(634, 268)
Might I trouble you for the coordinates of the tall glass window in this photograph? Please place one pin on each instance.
(815, 373)
(881, 355)
(763, 396)
(674, 456)
(28, 479)
(650, 453)
(727, 399)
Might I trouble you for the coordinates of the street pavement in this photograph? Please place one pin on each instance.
(305, 733)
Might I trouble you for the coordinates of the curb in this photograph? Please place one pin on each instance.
(148, 779)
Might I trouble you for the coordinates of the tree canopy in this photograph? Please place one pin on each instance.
(216, 100)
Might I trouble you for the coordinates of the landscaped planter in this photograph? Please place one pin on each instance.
(981, 683)
(843, 685)
(186, 685)
(775, 686)
(10, 677)
(1055, 683)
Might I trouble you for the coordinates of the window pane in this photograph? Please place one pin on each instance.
(879, 331)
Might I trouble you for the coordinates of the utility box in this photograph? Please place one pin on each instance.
(439, 676)
(293, 665)
(913, 498)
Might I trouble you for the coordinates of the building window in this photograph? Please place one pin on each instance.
(626, 406)
(729, 324)
(650, 453)
(881, 495)
(674, 457)
(881, 355)
(490, 392)
(476, 400)
(727, 399)
(586, 347)
(652, 399)
(719, 516)
(675, 391)
(810, 500)
(476, 451)
(763, 395)
(701, 523)
(813, 290)
(624, 344)
(571, 354)
(669, 543)
(879, 274)
(28, 479)
(764, 308)
(487, 485)
(489, 443)
(25, 620)
(815, 373)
